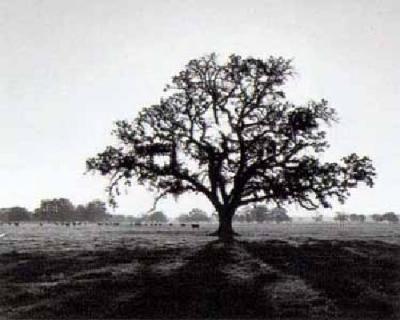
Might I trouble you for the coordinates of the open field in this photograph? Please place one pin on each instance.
(300, 271)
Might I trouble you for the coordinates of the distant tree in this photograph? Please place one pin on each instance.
(278, 215)
(261, 213)
(341, 217)
(240, 217)
(377, 217)
(95, 210)
(157, 216)
(318, 218)
(58, 209)
(195, 215)
(15, 214)
(390, 217)
(228, 132)
(258, 213)
(357, 217)
(80, 212)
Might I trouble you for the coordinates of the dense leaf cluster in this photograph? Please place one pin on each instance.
(227, 131)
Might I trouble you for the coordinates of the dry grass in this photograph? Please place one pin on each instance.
(273, 272)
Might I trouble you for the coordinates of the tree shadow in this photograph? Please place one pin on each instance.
(361, 278)
(199, 289)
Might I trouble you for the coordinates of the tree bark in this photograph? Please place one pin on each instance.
(225, 231)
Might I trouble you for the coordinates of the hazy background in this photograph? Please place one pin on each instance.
(69, 68)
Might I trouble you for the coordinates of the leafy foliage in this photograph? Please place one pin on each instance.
(227, 131)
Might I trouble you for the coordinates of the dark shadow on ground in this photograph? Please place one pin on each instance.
(353, 279)
(362, 278)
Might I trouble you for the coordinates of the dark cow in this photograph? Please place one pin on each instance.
(195, 226)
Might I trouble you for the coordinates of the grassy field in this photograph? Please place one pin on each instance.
(298, 271)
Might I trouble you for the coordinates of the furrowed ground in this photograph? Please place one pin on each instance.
(299, 271)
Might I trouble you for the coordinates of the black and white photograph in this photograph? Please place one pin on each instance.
(200, 159)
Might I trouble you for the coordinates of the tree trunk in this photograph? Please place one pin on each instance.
(225, 231)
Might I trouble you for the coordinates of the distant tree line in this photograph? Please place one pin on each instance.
(261, 214)
(390, 217)
(353, 217)
(194, 215)
(58, 209)
(154, 217)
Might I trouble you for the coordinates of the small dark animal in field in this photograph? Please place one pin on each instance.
(183, 224)
(67, 224)
(138, 224)
(16, 224)
(171, 224)
(115, 224)
(74, 224)
(99, 224)
(41, 224)
(195, 226)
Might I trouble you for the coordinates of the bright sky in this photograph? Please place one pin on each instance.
(69, 68)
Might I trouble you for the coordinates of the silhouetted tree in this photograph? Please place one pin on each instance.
(228, 132)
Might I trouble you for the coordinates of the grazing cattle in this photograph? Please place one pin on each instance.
(138, 224)
(195, 226)
(171, 224)
(183, 224)
(115, 224)
(99, 224)
(16, 224)
(67, 224)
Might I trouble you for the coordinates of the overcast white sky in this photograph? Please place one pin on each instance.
(69, 68)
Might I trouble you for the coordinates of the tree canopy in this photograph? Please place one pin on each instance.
(227, 131)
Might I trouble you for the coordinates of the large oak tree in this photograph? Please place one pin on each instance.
(228, 132)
